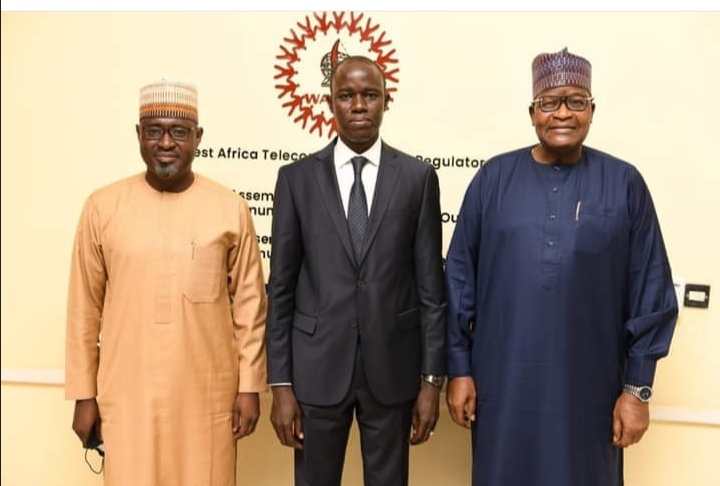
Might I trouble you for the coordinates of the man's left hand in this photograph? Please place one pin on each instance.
(631, 419)
(426, 413)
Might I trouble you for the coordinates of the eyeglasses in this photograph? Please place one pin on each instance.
(178, 133)
(573, 102)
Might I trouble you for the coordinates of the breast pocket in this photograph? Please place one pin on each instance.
(595, 226)
(205, 270)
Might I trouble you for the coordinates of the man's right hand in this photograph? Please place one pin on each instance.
(85, 419)
(286, 417)
(461, 400)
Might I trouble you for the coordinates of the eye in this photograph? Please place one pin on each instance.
(371, 96)
(179, 133)
(549, 102)
(152, 133)
(576, 102)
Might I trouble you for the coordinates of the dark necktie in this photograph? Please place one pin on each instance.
(357, 209)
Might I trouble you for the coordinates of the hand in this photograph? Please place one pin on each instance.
(425, 414)
(462, 400)
(286, 417)
(85, 418)
(631, 418)
(246, 412)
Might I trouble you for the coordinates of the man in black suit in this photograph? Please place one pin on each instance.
(356, 319)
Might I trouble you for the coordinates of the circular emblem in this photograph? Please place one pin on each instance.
(309, 55)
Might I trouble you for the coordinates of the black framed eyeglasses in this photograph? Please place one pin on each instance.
(155, 132)
(549, 104)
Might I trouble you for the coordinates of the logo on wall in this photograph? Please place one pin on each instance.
(309, 55)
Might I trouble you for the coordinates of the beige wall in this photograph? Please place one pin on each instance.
(69, 103)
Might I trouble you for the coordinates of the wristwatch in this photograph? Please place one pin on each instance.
(434, 380)
(642, 393)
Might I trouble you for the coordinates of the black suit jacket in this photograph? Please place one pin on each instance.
(321, 303)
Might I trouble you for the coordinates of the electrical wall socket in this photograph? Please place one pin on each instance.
(697, 295)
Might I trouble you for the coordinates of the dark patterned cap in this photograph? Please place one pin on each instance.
(169, 99)
(560, 69)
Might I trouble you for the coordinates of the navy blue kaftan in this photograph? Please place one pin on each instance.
(559, 291)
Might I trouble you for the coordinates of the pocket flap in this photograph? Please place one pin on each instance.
(409, 318)
(304, 323)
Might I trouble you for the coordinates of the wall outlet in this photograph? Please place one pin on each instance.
(697, 295)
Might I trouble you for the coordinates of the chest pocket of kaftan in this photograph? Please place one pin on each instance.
(204, 274)
(594, 228)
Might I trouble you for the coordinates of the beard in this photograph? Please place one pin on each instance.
(164, 170)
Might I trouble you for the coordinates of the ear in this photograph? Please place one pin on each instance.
(531, 112)
(387, 101)
(138, 132)
(330, 103)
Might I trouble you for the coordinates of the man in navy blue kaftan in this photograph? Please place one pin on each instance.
(561, 300)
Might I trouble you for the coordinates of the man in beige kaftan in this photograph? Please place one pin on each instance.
(166, 276)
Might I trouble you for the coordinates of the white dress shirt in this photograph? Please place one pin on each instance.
(346, 176)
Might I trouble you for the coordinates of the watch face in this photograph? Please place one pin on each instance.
(645, 393)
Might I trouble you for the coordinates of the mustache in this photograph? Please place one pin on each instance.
(163, 150)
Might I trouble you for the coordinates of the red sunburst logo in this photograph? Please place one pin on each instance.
(309, 55)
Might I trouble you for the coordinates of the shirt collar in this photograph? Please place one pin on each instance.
(343, 153)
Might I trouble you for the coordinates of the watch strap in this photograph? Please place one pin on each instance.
(642, 393)
(435, 380)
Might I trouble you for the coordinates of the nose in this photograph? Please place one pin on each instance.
(358, 103)
(563, 111)
(166, 140)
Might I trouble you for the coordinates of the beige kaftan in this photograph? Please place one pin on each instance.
(174, 281)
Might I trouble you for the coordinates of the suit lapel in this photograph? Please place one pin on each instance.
(387, 178)
(326, 176)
